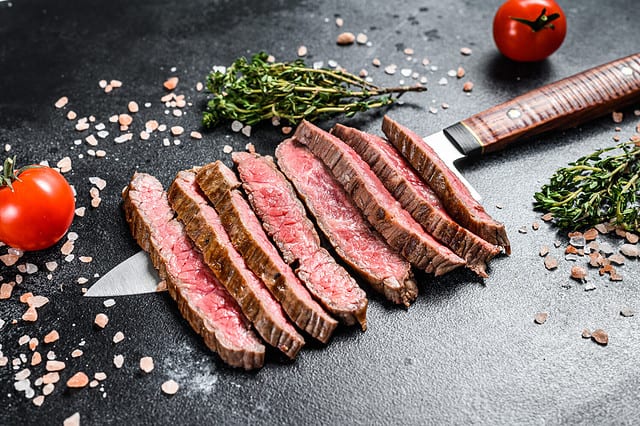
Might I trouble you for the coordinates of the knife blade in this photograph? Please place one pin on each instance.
(562, 104)
(565, 103)
(135, 275)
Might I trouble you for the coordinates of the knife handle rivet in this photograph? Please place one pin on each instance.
(627, 70)
(514, 113)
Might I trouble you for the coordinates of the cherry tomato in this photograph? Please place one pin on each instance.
(36, 207)
(529, 30)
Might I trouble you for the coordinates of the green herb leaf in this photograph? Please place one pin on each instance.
(596, 189)
(251, 92)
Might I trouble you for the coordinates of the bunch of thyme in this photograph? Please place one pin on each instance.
(259, 90)
(596, 189)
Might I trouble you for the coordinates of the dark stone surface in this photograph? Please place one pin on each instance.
(465, 352)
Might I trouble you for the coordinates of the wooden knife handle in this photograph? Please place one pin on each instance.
(565, 103)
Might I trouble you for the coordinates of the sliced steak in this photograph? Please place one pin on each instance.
(202, 300)
(384, 213)
(285, 220)
(205, 229)
(455, 196)
(344, 226)
(220, 185)
(418, 198)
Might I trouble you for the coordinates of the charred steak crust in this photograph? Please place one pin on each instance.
(344, 226)
(418, 198)
(284, 218)
(217, 181)
(201, 299)
(205, 229)
(455, 196)
(384, 213)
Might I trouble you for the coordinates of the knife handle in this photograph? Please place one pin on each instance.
(565, 103)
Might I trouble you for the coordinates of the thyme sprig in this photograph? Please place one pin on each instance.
(596, 189)
(257, 90)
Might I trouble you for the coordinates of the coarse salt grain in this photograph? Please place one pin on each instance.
(170, 387)
(76, 353)
(171, 83)
(177, 130)
(73, 420)
(109, 303)
(118, 361)
(60, 103)
(5, 291)
(30, 315)
(115, 83)
(33, 343)
(146, 364)
(195, 135)
(51, 337)
(91, 140)
(54, 366)
(391, 69)
(36, 358)
(67, 247)
(101, 320)
(51, 378)
(118, 337)
(48, 389)
(100, 376)
(64, 164)
(227, 149)
(81, 127)
(38, 301)
(133, 107)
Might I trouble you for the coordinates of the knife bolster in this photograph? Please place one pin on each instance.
(463, 138)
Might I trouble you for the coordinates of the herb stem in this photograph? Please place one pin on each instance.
(256, 90)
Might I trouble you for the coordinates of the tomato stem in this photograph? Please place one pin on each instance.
(542, 21)
(8, 173)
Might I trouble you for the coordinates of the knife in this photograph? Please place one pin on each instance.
(135, 275)
(565, 103)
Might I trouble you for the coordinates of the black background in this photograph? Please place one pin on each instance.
(466, 351)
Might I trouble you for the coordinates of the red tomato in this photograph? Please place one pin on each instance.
(39, 209)
(529, 30)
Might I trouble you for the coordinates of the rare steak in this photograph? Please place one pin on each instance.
(205, 229)
(220, 185)
(285, 220)
(344, 226)
(202, 300)
(455, 196)
(418, 198)
(384, 213)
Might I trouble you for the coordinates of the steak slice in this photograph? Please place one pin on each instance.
(386, 215)
(205, 229)
(344, 226)
(285, 220)
(418, 198)
(455, 196)
(202, 300)
(220, 185)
